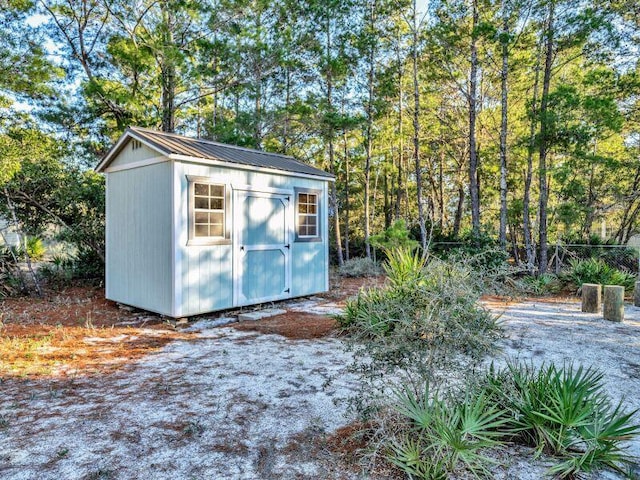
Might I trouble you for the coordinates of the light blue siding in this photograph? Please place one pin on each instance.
(138, 237)
(309, 268)
(205, 274)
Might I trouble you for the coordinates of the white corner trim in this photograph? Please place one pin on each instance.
(176, 257)
(138, 164)
(252, 168)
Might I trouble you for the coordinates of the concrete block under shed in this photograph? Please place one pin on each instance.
(260, 314)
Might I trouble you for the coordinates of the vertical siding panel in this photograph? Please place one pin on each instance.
(208, 270)
(139, 237)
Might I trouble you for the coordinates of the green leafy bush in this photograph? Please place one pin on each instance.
(11, 283)
(446, 435)
(564, 412)
(35, 248)
(594, 270)
(360, 267)
(394, 237)
(422, 325)
(541, 285)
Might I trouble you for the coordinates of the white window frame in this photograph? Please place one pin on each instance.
(308, 238)
(225, 238)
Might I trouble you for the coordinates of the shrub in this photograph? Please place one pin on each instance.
(559, 411)
(35, 248)
(443, 436)
(541, 285)
(11, 282)
(423, 325)
(564, 412)
(360, 267)
(594, 270)
(394, 237)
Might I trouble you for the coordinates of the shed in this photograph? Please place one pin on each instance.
(194, 226)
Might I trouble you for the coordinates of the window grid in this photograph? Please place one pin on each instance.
(307, 215)
(209, 210)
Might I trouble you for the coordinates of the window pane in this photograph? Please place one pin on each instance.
(302, 208)
(217, 204)
(311, 231)
(202, 217)
(201, 189)
(202, 230)
(216, 217)
(202, 203)
(302, 198)
(311, 208)
(217, 231)
(312, 198)
(217, 190)
(303, 230)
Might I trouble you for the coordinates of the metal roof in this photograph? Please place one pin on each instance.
(171, 144)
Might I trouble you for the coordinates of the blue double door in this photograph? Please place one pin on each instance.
(261, 246)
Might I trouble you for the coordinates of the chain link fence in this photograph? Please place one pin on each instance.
(561, 255)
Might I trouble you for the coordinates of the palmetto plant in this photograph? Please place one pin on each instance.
(564, 412)
(448, 433)
(594, 270)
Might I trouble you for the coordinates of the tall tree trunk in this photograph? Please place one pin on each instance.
(168, 71)
(368, 133)
(287, 106)
(441, 188)
(400, 186)
(330, 135)
(526, 201)
(544, 142)
(416, 128)
(257, 115)
(457, 219)
(503, 127)
(474, 192)
(347, 203)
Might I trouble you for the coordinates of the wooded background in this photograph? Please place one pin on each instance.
(514, 120)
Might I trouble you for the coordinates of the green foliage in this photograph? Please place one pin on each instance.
(47, 191)
(35, 248)
(564, 412)
(446, 435)
(11, 283)
(541, 285)
(394, 237)
(360, 267)
(424, 324)
(594, 270)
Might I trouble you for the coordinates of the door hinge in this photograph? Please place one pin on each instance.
(287, 245)
(287, 290)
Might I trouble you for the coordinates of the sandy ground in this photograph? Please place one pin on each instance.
(243, 404)
(228, 404)
(559, 332)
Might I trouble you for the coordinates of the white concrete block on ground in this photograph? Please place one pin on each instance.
(260, 314)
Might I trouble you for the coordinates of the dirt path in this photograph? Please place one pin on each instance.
(560, 332)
